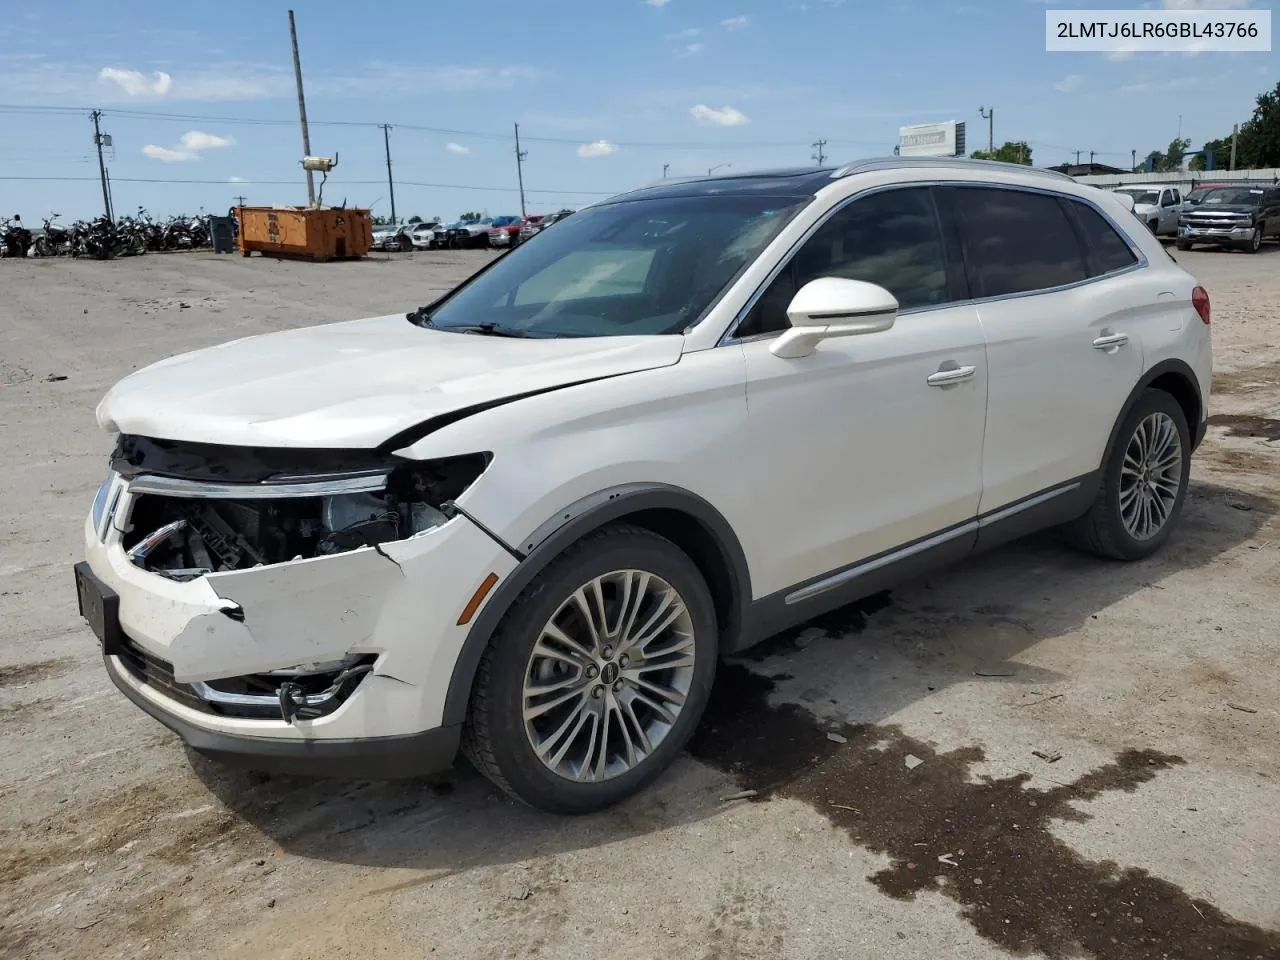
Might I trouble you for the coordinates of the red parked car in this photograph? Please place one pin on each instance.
(505, 231)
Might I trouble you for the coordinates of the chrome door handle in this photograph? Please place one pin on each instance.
(1107, 341)
(945, 378)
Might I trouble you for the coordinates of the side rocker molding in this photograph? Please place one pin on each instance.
(570, 525)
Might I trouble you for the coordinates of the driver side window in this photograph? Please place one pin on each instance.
(891, 238)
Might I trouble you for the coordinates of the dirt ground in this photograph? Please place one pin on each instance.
(1098, 744)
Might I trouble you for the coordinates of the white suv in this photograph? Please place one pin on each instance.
(530, 517)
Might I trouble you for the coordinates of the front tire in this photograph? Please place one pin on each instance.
(1183, 244)
(1144, 482)
(597, 675)
(1254, 243)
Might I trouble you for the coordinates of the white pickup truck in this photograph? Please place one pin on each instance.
(1157, 205)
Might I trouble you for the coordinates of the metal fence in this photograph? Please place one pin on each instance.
(1182, 179)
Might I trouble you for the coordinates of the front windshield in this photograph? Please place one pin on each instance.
(621, 269)
(1142, 196)
(1236, 196)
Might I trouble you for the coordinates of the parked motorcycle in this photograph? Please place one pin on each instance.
(54, 240)
(15, 239)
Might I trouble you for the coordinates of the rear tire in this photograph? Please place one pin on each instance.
(1183, 245)
(1144, 482)
(562, 716)
(1254, 242)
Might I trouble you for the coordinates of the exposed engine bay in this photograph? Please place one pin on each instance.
(187, 534)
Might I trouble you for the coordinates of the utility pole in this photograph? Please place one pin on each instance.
(1235, 136)
(111, 203)
(989, 114)
(302, 110)
(1078, 152)
(391, 186)
(102, 166)
(665, 168)
(819, 153)
(239, 201)
(1133, 160)
(520, 158)
(1091, 158)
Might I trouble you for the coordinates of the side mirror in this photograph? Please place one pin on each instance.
(834, 307)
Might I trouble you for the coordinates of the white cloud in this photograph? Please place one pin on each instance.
(724, 117)
(169, 154)
(135, 82)
(197, 140)
(236, 180)
(1118, 56)
(1159, 86)
(691, 50)
(735, 23)
(657, 3)
(187, 148)
(684, 34)
(457, 148)
(1205, 4)
(1069, 83)
(599, 148)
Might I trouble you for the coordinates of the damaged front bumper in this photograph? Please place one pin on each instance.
(335, 663)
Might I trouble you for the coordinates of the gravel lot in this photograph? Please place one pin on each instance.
(1156, 833)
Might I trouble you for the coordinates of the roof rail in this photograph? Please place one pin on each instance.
(873, 164)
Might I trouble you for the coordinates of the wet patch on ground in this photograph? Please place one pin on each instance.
(1247, 426)
(1264, 377)
(842, 622)
(987, 844)
(22, 673)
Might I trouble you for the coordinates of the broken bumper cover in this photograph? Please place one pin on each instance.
(373, 758)
(396, 606)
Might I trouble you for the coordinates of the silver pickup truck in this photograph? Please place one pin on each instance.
(1157, 205)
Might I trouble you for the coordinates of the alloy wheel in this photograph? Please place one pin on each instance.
(1150, 476)
(608, 676)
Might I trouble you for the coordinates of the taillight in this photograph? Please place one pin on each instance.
(1200, 300)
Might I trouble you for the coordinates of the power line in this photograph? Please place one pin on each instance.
(251, 181)
(125, 113)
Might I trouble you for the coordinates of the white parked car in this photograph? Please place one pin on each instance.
(530, 517)
(423, 235)
(1157, 205)
(392, 238)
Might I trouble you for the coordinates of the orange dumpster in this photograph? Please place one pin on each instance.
(304, 233)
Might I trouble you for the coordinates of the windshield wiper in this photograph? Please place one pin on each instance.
(485, 330)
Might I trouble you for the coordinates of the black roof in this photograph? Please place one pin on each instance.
(790, 182)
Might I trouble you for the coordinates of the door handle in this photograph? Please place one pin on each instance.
(1110, 340)
(952, 375)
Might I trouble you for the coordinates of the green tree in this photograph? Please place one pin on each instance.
(415, 219)
(1011, 151)
(1259, 144)
(1221, 154)
(470, 215)
(1171, 160)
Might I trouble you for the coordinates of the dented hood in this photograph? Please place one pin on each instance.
(354, 384)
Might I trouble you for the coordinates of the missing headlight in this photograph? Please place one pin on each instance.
(183, 537)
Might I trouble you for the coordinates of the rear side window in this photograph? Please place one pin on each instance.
(1015, 241)
(1106, 249)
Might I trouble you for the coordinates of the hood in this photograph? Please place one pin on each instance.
(356, 384)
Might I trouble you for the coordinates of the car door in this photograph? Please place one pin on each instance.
(856, 451)
(1166, 218)
(1271, 211)
(1060, 309)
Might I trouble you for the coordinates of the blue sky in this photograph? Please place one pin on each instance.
(606, 93)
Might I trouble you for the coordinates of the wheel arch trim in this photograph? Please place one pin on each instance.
(571, 524)
(1171, 366)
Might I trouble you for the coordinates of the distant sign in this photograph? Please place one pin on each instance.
(932, 140)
